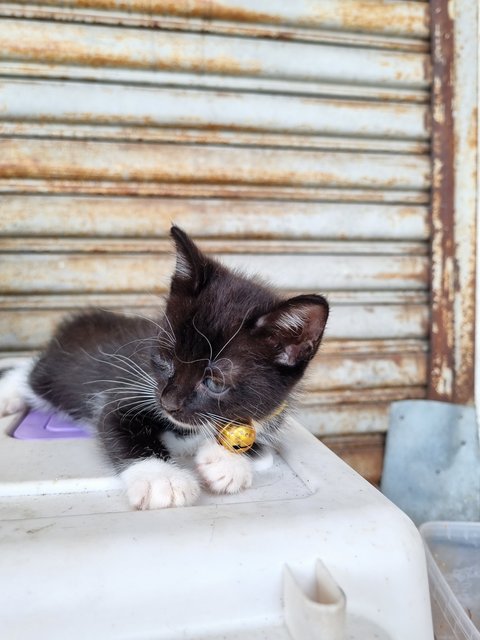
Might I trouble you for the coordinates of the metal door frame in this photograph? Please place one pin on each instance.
(454, 200)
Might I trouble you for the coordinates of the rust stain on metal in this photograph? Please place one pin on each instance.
(236, 192)
(72, 44)
(187, 9)
(441, 378)
(453, 214)
(359, 16)
(82, 160)
(368, 16)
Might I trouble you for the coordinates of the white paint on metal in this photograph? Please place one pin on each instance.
(80, 160)
(135, 77)
(125, 105)
(208, 218)
(465, 105)
(109, 272)
(365, 372)
(190, 52)
(407, 19)
(150, 188)
(205, 135)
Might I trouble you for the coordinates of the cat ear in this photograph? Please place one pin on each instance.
(294, 329)
(192, 268)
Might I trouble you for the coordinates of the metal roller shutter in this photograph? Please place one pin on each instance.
(292, 139)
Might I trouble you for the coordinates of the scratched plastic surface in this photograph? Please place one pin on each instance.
(41, 425)
(454, 568)
(460, 564)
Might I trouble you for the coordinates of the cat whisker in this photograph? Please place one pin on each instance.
(141, 406)
(207, 429)
(220, 419)
(190, 361)
(203, 336)
(123, 382)
(235, 334)
(127, 344)
(146, 344)
(109, 362)
(133, 365)
(172, 332)
(137, 397)
(217, 360)
(219, 371)
(169, 334)
(135, 372)
(140, 394)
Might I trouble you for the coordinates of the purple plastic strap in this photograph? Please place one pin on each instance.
(40, 425)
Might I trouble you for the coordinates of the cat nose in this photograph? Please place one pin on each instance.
(170, 401)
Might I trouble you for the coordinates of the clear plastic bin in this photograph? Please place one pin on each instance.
(453, 558)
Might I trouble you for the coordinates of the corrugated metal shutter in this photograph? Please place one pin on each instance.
(293, 138)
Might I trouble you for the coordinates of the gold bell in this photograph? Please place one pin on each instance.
(237, 438)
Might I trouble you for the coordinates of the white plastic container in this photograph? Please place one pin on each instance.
(453, 554)
(311, 551)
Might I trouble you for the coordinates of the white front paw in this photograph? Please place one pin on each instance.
(10, 404)
(155, 484)
(12, 387)
(223, 471)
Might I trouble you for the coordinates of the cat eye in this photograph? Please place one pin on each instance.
(213, 386)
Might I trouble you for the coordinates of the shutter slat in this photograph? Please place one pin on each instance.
(158, 78)
(395, 18)
(92, 45)
(109, 273)
(80, 160)
(146, 217)
(367, 371)
(245, 248)
(31, 330)
(238, 191)
(126, 105)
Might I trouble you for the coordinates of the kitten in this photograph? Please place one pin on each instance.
(226, 348)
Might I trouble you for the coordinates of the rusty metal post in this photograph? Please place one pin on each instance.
(441, 378)
(453, 210)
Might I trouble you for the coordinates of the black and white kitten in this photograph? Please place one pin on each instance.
(225, 349)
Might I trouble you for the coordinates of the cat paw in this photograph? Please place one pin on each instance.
(10, 404)
(223, 471)
(11, 401)
(14, 384)
(155, 484)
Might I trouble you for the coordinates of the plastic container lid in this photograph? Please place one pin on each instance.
(453, 558)
(41, 425)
